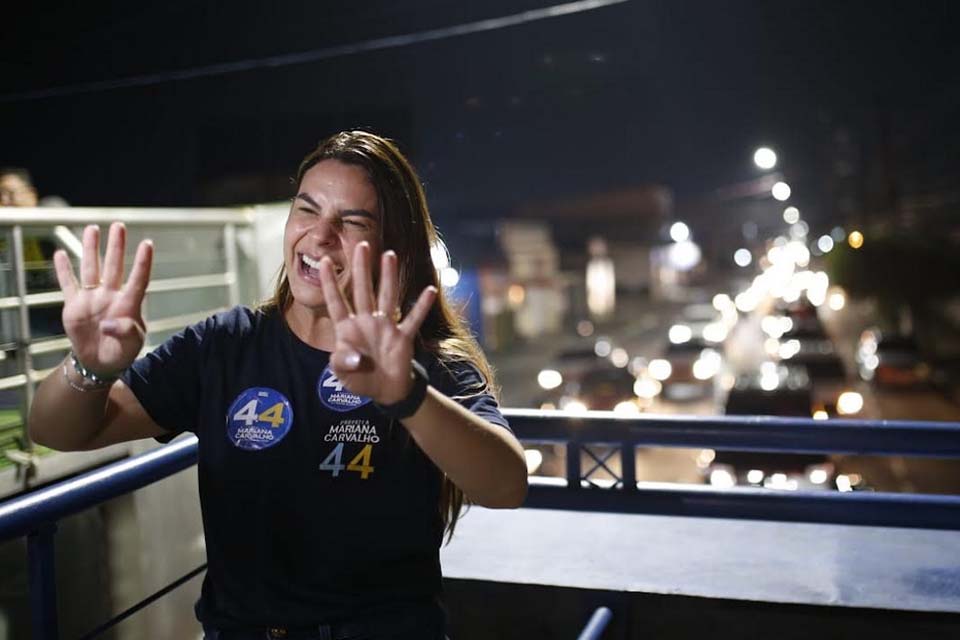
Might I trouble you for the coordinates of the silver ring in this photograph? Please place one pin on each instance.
(91, 286)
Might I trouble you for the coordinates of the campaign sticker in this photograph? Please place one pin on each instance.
(259, 418)
(335, 396)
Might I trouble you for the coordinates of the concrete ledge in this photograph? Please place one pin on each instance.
(786, 563)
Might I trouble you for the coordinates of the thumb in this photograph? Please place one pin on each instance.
(122, 328)
(346, 360)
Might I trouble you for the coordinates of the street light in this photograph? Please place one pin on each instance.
(765, 158)
(679, 232)
(781, 191)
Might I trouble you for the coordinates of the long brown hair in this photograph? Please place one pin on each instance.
(407, 229)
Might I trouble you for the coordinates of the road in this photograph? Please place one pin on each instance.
(641, 326)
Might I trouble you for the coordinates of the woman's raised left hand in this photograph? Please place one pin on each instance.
(373, 348)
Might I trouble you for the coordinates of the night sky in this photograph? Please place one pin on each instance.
(667, 92)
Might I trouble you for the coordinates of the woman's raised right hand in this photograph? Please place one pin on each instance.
(102, 316)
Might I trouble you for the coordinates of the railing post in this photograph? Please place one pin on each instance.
(628, 466)
(596, 625)
(573, 464)
(233, 264)
(43, 582)
(23, 346)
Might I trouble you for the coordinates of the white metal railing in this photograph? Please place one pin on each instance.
(61, 227)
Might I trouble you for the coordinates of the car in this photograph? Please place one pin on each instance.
(891, 360)
(691, 367)
(776, 390)
(598, 385)
(818, 357)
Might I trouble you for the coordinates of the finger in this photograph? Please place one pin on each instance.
(122, 328)
(411, 324)
(90, 260)
(387, 296)
(362, 282)
(336, 306)
(113, 258)
(68, 282)
(140, 273)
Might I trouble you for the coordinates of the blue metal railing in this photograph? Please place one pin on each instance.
(739, 433)
(596, 625)
(35, 515)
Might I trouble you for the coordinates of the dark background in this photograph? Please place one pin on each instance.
(672, 93)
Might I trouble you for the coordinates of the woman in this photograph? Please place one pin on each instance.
(339, 425)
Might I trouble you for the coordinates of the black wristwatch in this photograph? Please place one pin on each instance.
(409, 405)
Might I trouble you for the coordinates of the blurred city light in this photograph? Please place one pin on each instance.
(575, 406)
(449, 277)
(601, 281)
(838, 234)
(585, 328)
(849, 403)
(602, 347)
(747, 301)
(825, 244)
(781, 482)
(534, 460)
(742, 257)
(626, 408)
(439, 255)
(619, 357)
(516, 295)
(647, 388)
(722, 479)
(799, 230)
(722, 301)
(765, 158)
(660, 369)
(788, 349)
(855, 239)
(791, 215)
(820, 414)
(715, 332)
(638, 365)
(843, 483)
(679, 232)
(837, 300)
(549, 379)
(684, 256)
(755, 476)
(705, 457)
(680, 333)
(707, 365)
(781, 191)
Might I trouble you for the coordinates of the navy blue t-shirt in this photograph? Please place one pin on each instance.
(315, 506)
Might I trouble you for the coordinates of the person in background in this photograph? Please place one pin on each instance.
(341, 424)
(16, 188)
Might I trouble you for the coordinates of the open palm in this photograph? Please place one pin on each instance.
(102, 316)
(372, 351)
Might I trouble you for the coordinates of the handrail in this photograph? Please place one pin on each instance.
(19, 516)
(21, 223)
(579, 433)
(744, 433)
(129, 215)
(35, 515)
(596, 625)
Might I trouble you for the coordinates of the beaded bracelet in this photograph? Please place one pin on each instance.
(95, 381)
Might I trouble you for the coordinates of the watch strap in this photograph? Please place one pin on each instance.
(409, 405)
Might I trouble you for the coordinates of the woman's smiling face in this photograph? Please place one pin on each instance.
(335, 209)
